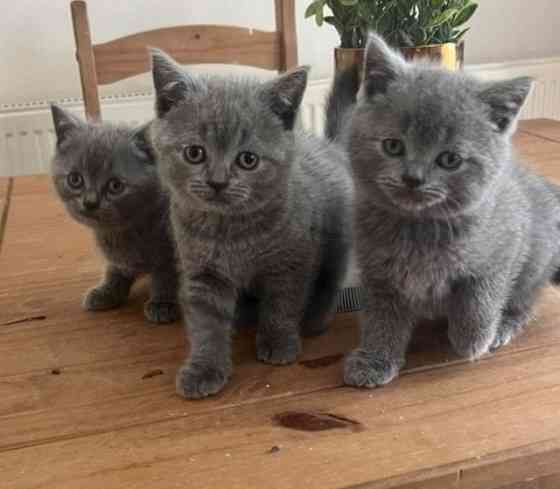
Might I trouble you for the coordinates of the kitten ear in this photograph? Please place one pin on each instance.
(171, 82)
(284, 94)
(141, 144)
(382, 65)
(64, 123)
(505, 99)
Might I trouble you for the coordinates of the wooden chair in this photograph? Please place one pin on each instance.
(102, 64)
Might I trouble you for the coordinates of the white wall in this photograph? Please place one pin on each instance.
(507, 30)
(37, 55)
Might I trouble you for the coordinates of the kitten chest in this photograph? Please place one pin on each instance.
(421, 271)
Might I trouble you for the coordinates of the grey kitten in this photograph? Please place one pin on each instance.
(447, 223)
(106, 177)
(257, 208)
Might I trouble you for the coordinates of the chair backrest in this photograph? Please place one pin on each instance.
(101, 64)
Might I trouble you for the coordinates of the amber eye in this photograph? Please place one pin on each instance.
(195, 154)
(449, 161)
(393, 147)
(115, 186)
(75, 180)
(247, 160)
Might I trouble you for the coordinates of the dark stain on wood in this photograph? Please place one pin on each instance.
(274, 449)
(24, 320)
(315, 421)
(152, 373)
(322, 361)
(55, 371)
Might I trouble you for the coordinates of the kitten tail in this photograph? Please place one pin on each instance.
(341, 99)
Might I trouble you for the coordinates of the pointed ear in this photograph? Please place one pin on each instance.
(382, 65)
(505, 99)
(171, 82)
(141, 144)
(284, 94)
(64, 123)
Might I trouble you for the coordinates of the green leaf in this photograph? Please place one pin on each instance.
(319, 17)
(457, 37)
(313, 7)
(348, 3)
(442, 18)
(465, 14)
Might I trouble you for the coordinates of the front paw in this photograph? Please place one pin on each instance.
(470, 344)
(161, 312)
(102, 298)
(196, 381)
(278, 351)
(502, 339)
(366, 369)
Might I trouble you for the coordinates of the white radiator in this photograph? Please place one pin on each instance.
(27, 138)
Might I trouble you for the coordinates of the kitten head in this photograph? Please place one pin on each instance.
(426, 141)
(224, 145)
(104, 174)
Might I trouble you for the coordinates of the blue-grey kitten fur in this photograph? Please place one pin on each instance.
(107, 179)
(257, 208)
(447, 223)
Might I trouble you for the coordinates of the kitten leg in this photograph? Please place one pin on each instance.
(111, 292)
(386, 327)
(515, 317)
(209, 306)
(475, 314)
(512, 324)
(162, 306)
(281, 310)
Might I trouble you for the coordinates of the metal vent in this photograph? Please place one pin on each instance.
(350, 300)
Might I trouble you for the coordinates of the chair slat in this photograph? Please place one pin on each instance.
(195, 44)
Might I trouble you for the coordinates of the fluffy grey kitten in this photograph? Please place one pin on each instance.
(106, 177)
(447, 223)
(257, 208)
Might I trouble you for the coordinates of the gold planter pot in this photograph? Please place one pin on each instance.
(450, 55)
(348, 57)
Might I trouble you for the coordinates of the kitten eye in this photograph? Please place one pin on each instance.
(247, 160)
(449, 161)
(393, 147)
(195, 154)
(75, 180)
(115, 186)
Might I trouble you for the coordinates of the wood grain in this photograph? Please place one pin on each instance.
(286, 28)
(421, 421)
(86, 59)
(87, 399)
(542, 128)
(6, 188)
(196, 44)
(127, 56)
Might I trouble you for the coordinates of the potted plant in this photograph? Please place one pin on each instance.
(419, 28)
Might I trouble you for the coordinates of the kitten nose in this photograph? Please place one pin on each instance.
(217, 185)
(90, 202)
(412, 181)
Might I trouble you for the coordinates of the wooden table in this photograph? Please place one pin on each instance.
(87, 399)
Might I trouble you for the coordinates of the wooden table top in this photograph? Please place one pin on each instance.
(87, 400)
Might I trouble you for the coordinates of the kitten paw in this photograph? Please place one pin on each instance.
(101, 299)
(502, 338)
(471, 346)
(161, 312)
(195, 381)
(365, 369)
(278, 351)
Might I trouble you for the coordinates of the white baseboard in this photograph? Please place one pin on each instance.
(27, 138)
